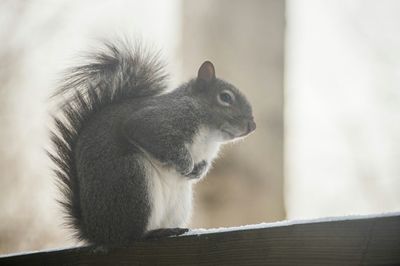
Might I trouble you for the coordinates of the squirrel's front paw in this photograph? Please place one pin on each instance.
(185, 166)
(199, 170)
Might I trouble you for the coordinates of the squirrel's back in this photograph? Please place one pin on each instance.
(112, 75)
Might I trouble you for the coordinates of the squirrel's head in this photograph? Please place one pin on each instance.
(229, 112)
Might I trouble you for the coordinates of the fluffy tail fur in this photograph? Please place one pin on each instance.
(113, 74)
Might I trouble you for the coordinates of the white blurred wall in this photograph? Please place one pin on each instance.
(39, 39)
(342, 107)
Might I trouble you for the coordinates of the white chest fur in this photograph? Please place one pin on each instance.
(205, 145)
(170, 193)
(171, 198)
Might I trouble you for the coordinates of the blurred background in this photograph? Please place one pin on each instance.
(323, 78)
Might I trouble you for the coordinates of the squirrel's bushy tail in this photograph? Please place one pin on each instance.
(112, 74)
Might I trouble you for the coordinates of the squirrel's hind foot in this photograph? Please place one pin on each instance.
(164, 232)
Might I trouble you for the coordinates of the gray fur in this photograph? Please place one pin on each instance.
(116, 114)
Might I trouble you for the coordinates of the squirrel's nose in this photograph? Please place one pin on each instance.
(251, 126)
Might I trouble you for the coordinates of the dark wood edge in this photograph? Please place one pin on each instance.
(355, 241)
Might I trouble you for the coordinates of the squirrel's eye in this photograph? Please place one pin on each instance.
(226, 98)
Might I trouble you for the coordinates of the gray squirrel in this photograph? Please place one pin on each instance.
(128, 151)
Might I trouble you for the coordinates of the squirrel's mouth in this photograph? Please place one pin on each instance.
(228, 133)
(233, 132)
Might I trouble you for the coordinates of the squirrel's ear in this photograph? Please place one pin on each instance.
(206, 71)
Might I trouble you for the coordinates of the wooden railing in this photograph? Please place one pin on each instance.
(339, 241)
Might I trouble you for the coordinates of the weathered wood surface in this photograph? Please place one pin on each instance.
(364, 241)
